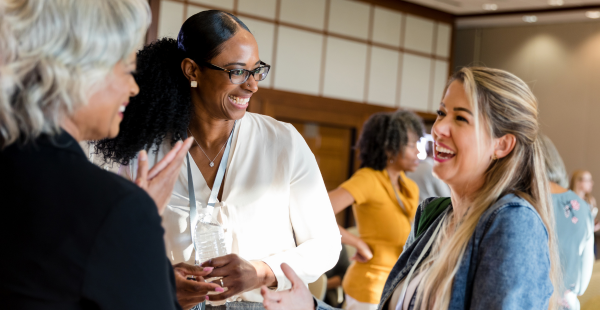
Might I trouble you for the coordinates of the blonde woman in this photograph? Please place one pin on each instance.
(491, 244)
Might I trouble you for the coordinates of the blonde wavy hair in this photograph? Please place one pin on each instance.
(55, 52)
(503, 104)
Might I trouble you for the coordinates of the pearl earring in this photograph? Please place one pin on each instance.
(194, 84)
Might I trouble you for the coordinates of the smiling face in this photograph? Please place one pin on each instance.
(215, 93)
(460, 161)
(101, 117)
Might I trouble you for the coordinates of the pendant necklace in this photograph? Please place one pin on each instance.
(212, 162)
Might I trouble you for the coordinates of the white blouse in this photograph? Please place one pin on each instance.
(274, 207)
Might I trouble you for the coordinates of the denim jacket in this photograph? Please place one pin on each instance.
(506, 264)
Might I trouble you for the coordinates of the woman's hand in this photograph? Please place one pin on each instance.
(239, 275)
(159, 181)
(191, 292)
(363, 252)
(297, 298)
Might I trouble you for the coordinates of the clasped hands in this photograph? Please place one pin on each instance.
(238, 276)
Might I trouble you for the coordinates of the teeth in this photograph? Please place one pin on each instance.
(238, 100)
(122, 109)
(442, 149)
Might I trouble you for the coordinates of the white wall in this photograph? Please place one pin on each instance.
(358, 52)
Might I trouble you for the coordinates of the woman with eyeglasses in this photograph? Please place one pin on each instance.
(273, 203)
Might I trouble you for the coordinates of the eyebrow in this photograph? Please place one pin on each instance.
(239, 64)
(464, 110)
(457, 109)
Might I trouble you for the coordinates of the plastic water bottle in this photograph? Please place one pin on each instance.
(210, 237)
(210, 243)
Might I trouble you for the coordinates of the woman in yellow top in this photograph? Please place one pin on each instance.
(384, 202)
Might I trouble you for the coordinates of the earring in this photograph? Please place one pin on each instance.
(494, 156)
(194, 84)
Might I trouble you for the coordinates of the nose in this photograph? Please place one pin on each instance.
(251, 84)
(441, 128)
(134, 88)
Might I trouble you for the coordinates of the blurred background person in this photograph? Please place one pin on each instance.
(582, 184)
(384, 202)
(574, 228)
(429, 185)
(78, 237)
(272, 201)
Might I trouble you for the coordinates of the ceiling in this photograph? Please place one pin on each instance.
(465, 7)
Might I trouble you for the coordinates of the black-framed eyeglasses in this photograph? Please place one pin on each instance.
(239, 76)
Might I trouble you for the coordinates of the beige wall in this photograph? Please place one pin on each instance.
(341, 49)
(561, 63)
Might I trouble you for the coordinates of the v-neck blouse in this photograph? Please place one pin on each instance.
(274, 207)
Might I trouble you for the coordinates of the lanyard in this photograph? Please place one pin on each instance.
(215, 189)
(398, 197)
(414, 267)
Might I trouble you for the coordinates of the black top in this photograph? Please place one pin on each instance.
(74, 236)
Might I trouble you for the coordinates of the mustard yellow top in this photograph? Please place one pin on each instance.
(382, 225)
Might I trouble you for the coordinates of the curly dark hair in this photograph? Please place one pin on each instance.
(386, 133)
(163, 110)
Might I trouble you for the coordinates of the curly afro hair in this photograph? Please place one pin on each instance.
(163, 110)
(386, 133)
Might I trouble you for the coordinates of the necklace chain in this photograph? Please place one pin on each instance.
(212, 162)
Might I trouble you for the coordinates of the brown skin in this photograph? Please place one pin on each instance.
(192, 292)
(212, 122)
(406, 160)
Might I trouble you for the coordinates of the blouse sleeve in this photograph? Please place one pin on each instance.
(359, 185)
(311, 214)
(513, 263)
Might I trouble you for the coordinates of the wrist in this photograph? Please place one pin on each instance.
(264, 274)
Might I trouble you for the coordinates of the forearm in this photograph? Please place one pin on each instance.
(348, 238)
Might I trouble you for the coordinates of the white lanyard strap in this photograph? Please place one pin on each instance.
(212, 200)
(414, 267)
(398, 196)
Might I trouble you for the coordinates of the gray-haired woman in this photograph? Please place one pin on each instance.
(71, 231)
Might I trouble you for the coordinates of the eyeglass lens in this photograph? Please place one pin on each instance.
(240, 76)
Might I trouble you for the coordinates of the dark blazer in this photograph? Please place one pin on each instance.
(74, 236)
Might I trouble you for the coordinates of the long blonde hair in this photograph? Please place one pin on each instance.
(503, 104)
(577, 174)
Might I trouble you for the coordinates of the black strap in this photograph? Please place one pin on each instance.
(431, 212)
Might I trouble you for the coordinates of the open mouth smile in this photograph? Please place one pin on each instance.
(443, 153)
